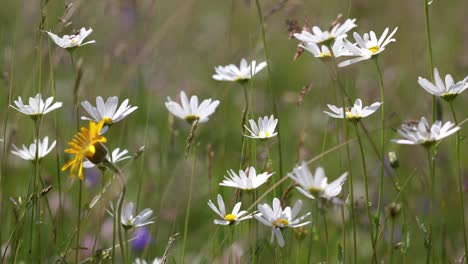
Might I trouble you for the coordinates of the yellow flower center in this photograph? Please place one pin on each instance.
(191, 118)
(327, 54)
(315, 190)
(281, 221)
(107, 120)
(374, 49)
(230, 217)
(90, 151)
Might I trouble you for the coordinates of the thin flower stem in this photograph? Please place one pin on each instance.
(114, 231)
(429, 52)
(78, 222)
(382, 144)
(325, 226)
(366, 186)
(430, 161)
(343, 230)
(351, 188)
(460, 180)
(127, 260)
(189, 202)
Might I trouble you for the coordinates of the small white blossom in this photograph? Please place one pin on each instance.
(326, 37)
(314, 186)
(279, 219)
(108, 110)
(228, 218)
(142, 261)
(232, 73)
(249, 180)
(447, 91)
(115, 157)
(354, 113)
(420, 133)
(129, 220)
(190, 110)
(30, 153)
(72, 41)
(367, 46)
(265, 128)
(36, 105)
(324, 52)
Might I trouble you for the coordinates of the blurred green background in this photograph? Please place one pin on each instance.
(147, 50)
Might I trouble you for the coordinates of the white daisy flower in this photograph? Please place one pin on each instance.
(72, 41)
(447, 91)
(36, 106)
(107, 111)
(265, 128)
(354, 113)
(326, 37)
(419, 133)
(142, 261)
(324, 52)
(30, 153)
(314, 186)
(245, 182)
(228, 218)
(190, 110)
(115, 157)
(129, 220)
(278, 219)
(367, 46)
(232, 73)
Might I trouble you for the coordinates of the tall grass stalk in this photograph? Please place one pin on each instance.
(78, 221)
(427, 25)
(460, 180)
(430, 161)
(366, 187)
(382, 144)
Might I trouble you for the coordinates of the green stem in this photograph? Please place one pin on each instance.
(429, 51)
(382, 144)
(78, 223)
(430, 161)
(189, 202)
(325, 226)
(460, 180)
(392, 230)
(366, 186)
(343, 227)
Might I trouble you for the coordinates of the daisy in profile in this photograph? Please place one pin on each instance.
(36, 106)
(367, 46)
(190, 111)
(316, 185)
(107, 111)
(420, 133)
(265, 128)
(87, 144)
(142, 261)
(324, 52)
(246, 180)
(128, 219)
(72, 41)
(279, 219)
(244, 72)
(30, 153)
(354, 113)
(447, 91)
(232, 218)
(116, 157)
(326, 37)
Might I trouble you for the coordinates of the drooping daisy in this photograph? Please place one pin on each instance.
(228, 218)
(324, 52)
(36, 106)
(129, 220)
(367, 46)
(86, 144)
(420, 133)
(326, 37)
(354, 113)
(190, 111)
(246, 180)
(279, 219)
(116, 157)
(447, 91)
(30, 153)
(244, 72)
(314, 186)
(72, 41)
(107, 110)
(265, 128)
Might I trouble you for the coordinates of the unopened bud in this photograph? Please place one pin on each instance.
(394, 162)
